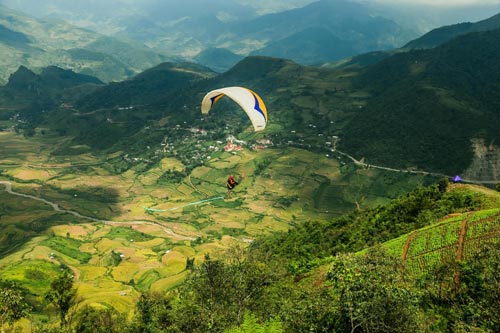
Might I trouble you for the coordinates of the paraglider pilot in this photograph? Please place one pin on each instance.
(231, 183)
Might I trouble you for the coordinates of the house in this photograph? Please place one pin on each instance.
(264, 141)
(232, 147)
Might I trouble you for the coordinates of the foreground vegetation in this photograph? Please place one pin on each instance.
(308, 280)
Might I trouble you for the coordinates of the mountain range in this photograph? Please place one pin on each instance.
(441, 35)
(327, 30)
(190, 32)
(36, 43)
(142, 36)
(453, 88)
(428, 105)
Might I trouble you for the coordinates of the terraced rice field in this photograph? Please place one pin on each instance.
(117, 249)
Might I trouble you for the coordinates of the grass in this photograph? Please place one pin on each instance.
(33, 275)
(147, 279)
(128, 233)
(168, 282)
(69, 247)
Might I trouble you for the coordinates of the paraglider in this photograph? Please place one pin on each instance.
(231, 183)
(247, 99)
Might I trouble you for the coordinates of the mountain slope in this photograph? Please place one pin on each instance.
(38, 43)
(218, 59)
(428, 105)
(25, 86)
(189, 29)
(421, 109)
(443, 34)
(145, 87)
(417, 210)
(310, 46)
(326, 30)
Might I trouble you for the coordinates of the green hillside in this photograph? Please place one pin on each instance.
(442, 35)
(427, 105)
(325, 31)
(295, 270)
(453, 91)
(145, 87)
(27, 96)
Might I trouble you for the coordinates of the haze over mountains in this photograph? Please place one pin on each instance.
(154, 31)
(317, 32)
(441, 35)
(36, 43)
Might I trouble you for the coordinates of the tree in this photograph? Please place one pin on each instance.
(13, 306)
(189, 263)
(497, 187)
(443, 184)
(62, 295)
(478, 301)
(154, 312)
(92, 320)
(371, 296)
(220, 291)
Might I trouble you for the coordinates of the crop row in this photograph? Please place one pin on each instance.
(439, 244)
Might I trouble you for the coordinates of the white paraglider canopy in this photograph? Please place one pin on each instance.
(249, 101)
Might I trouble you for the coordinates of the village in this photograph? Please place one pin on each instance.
(193, 146)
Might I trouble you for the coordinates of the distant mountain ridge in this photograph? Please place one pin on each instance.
(146, 87)
(38, 43)
(25, 88)
(441, 35)
(431, 39)
(423, 110)
(329, 30)
(218, 59)
(418, 109)
(325, 30)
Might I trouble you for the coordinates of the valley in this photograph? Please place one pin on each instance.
(126, 233)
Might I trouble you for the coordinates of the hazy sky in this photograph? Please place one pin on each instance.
(274, 3)
(450, 3)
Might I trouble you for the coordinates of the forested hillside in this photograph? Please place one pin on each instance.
(427, 105)
(442, 35)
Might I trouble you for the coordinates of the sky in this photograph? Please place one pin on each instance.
(282, 3)
(449, 3)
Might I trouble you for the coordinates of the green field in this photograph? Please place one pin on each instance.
(425, 248)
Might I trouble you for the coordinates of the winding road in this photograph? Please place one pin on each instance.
(8, 189)
(436, 174)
